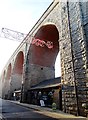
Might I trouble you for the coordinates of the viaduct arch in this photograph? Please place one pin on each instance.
(17, 72)
(45, 56)
(70, 26)
(42, 59)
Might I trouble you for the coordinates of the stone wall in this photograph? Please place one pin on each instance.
(16, 82)
(6, 87)
(71, 20)
(84, 14)
(69, 100)
(73, 52)
(74, 59)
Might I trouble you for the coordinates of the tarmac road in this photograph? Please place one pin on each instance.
(12, 111)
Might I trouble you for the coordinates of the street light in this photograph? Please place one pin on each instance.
(21, 92)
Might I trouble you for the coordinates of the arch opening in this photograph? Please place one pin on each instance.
(17, 73)
(58, 66)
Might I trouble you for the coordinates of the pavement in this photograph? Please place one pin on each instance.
(51, 113)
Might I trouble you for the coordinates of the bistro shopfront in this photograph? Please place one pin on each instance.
(48, 90)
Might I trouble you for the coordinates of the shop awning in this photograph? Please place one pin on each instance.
(50, 83)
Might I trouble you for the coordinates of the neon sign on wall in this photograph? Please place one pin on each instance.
(42, 43)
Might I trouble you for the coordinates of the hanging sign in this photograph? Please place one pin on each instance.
(42, 43)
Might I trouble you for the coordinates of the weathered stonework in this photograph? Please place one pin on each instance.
(71, 21)
(16, 82)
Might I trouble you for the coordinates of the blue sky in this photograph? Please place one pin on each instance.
(19, 15)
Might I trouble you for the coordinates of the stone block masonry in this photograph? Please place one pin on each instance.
(66, 25)
(76, 45)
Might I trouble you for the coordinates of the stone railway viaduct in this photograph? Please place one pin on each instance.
(66, 25)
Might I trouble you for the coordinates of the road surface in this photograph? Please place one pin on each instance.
(12, 111)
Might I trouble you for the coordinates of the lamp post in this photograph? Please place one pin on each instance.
(21, 92)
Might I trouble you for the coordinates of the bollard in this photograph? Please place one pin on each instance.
(54, 106)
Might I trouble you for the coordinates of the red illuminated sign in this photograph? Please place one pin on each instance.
(42, 43)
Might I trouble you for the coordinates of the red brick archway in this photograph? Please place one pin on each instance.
(18, 66)
(45, 56)
(17, 73)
